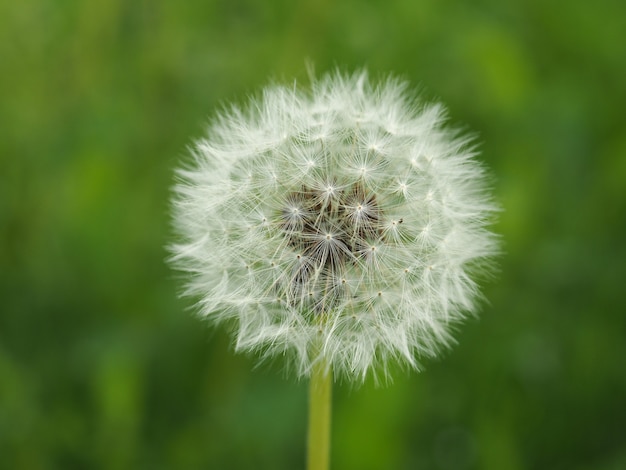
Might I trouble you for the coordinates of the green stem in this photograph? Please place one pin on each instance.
(320, 393)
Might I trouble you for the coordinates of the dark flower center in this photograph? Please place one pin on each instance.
(330, 229)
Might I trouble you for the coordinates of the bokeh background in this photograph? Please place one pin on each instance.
(102, 366)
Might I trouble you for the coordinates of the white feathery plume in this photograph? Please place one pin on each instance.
(345, 223)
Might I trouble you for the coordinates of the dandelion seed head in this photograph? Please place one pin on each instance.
(345, 223)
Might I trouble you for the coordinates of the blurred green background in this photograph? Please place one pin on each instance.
(102, 366)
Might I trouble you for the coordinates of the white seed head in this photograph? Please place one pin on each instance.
(345, 223)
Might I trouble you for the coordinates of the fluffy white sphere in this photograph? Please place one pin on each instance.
(343, 224)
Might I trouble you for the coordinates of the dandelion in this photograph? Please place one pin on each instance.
(340, 228)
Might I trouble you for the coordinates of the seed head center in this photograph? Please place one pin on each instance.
(333, 229)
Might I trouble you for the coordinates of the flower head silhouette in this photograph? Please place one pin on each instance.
(344, 224)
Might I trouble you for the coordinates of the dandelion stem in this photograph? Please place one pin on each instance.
(320, 394)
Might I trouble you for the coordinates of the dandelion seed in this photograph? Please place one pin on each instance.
(344, 224)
